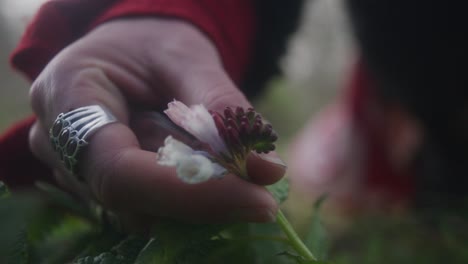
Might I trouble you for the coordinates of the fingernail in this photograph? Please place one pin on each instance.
(273, 157)
(253, 215)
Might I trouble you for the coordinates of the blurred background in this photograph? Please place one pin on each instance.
(14, 16)
(315, 68)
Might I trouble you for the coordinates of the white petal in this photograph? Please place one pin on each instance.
(197, 121)
(172, 152)
(197, 168)
(192, 166)
(177, 112)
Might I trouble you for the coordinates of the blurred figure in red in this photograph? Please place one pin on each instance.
(399, 134)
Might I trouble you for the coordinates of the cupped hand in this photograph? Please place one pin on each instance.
(130, 66)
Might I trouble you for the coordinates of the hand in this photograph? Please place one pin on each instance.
(130, 65)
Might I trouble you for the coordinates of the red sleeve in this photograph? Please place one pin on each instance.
(229, 24)
(18, 167)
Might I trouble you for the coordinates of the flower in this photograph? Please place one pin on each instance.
(228, 139)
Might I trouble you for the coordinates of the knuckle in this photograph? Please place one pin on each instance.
(83, 83)
(40, 146)
(35, 139)
(91, 85)
(46, 89)
(61, 89)
(87, 76)
(37, 97)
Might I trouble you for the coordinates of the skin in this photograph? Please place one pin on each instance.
(132, 64)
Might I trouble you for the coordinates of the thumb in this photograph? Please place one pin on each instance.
(212, 87)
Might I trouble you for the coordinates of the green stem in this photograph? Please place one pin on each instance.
(294, 239)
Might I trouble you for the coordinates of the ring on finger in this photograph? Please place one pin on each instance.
(70, 132)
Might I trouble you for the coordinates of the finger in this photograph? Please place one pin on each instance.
(127, 178)
(40, 146)
(265, 169)
(42, 149)
(61, 87)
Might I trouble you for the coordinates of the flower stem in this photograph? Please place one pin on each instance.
(294, 239)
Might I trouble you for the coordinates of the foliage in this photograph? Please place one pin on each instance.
(280, 190)
(48, 226)
(422, 238)
(3, 190)
(316, 238)
(53, 228)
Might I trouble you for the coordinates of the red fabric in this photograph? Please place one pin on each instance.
(18, 167)
(380, 175)
(229, 24)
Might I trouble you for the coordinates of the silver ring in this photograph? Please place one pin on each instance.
(70, 131)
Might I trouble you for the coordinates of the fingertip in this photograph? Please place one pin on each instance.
(265, 169)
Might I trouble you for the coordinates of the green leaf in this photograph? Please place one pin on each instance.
(129, 248)
(3, 190)
(316, 238)
(104, 258)
(153, 252)
(65, 200)
(124, 252)
(20, 250)
(182, 243)
(264, 251)
(280, 190)
(299, 259)
(43, 222)
(16, 212)
(64, 240)
(100, 242)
